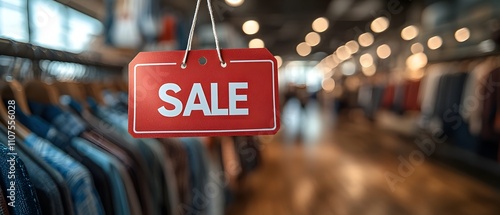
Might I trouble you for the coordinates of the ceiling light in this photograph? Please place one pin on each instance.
(352, 46)
(365, 39)
(250, 27)
(462, 34)
(416, 61)
(303, 49)
(279, 60)
(343, 53)
(384, 51)
(348, 68)
(328, 85)
(417, 48)
(369, 71)
(320, 24)
(313, 39)
(336, 58)
(256, 43)
(331, 62)
(415, 74)
(379, 24)
(234, 3)
(434, 42)
(366, 60)
(409, 33)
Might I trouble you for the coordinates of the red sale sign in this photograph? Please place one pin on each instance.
(204, 98)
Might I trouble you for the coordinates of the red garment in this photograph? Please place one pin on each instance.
(168, 32)
(411, 95)
(388, 99)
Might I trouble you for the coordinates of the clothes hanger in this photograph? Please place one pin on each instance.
(122, 85)
(72, 89)
(38, 90)
(21, 131)
(68, 85)
(111, 85)
(13, 90)
(94, 90)
(93, 87)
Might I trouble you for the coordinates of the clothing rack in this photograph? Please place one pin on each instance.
(33, 52)
(435, 58)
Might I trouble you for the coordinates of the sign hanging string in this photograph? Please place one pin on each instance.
(191, 33)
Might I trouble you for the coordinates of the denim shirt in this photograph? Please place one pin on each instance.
(156, 180)
(65, 122)
(77, 177)
(110, 165)
(25, 200)
(46, 189)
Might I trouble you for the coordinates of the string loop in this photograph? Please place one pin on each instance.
(191, 33)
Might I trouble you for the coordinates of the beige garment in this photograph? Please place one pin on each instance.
(473, 97)
(428, 90)
(230, 160)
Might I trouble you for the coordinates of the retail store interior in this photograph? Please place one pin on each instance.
(386, 107)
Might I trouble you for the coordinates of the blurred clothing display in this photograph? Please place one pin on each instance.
(461, 102)
(82, 160)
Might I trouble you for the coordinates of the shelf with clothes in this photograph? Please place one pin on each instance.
(72, 137)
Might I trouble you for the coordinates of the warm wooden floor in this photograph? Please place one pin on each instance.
(344, 172)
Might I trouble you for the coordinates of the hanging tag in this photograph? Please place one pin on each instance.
(204, 98)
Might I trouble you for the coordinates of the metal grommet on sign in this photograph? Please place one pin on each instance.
(223, 64)
(202, 61)
(183, 65)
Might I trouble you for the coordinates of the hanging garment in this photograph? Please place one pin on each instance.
(74, 127)
(452, 100)
(411, 95)
(399, 96)
(125, 29)
(56, 177)
(3, 205)
(62, 141)
(115, 121)
(490, 132)
(248, 150)
(149, 149)
(388, 98)
(178, 157)
(107, 138)
(25, 200)
(472, 99)
(111, 166)
(428, 90)
(131, 169)
(46, 188)
(491, 106)
(84, 196)
(198, 176)
(442, 91)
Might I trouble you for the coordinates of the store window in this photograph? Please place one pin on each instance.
(53, 25)
(13, 20)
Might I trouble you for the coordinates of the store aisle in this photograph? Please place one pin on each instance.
(345, 171)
